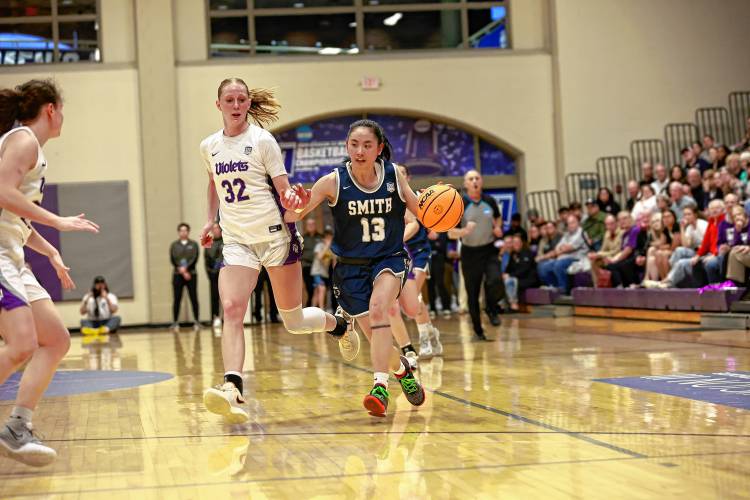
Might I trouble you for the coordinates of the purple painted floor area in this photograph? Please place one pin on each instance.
(70, 382)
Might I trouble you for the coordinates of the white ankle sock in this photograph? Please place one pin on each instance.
(22, 413)
(423, 329)
(381, 378)
(400, 370)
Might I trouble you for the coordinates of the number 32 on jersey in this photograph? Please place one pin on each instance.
(373, 229)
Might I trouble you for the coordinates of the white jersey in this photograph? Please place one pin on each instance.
(14, 230)
(242, 168)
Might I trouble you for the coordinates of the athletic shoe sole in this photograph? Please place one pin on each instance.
(216, 403)
(374, 406)
(354, 339)
(32, 458)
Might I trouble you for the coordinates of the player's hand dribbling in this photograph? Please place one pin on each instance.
(77, 223)
(62, 272)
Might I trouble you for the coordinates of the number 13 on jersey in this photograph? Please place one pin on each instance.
(373, 229)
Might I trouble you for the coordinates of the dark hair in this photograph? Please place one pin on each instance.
(516, 217)
(562, 209)
(378, 131)
(183, 224)
(23, 102)
(99, 279)
(264, 108)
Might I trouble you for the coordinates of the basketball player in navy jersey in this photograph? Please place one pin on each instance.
(368, 198)
(248, 185)
(418, 248)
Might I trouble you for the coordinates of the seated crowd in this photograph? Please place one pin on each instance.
(684, 227)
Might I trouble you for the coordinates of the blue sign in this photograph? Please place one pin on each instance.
(723, 388)
(507, 202)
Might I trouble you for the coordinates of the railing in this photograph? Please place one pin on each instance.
(646, 150)
(582, 185)
(739, 109)
(547, 203)
(715, 122)
(615, 172)
(676, 137)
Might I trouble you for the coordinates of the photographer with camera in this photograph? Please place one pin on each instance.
(99, 307)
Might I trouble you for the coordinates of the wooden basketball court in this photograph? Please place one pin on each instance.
(520, 417)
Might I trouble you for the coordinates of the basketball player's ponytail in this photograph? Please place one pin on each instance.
(387, 152)
(22, 104)
(264, 108)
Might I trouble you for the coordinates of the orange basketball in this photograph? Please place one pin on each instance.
(440, 208)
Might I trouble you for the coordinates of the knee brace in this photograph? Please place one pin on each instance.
(303, 321)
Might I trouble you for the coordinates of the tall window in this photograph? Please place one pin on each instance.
(47, 31)
(349, 27)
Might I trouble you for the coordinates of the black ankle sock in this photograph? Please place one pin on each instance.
(408, 348)
(340, 329)
(235, 379)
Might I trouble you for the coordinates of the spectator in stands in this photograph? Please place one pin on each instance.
(733, 165)
(515, 227)
(661, 182)
(606, 201)
(713, 158)
(624, 266)
(691, 160)
(521, 273)
(319, 270)
(562, 217)
(634, 190)
(676, 174)
(505, 250)
(99, 306)
(683, 269)
(571, 248)
(659, 240)
(728, 183)
(712, 186)
(647, 173)
(708, 143)
(697, 148)
(593, 226)
(669, 219)
(310, 238)
(575, 209)
(738, 258)
(731, 236)
(550, 238)
(611, 246)
(184, 255)
(722, 151)
(213, 259)
(533, 217)
(679, 200)
(646, 204)
(695, 185)
(692, 232)
(663, 202)
(535, 237)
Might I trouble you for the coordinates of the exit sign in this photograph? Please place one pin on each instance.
(370, 83)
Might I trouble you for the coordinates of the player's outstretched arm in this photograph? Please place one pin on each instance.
(19, 157)
(323, 189)
(407, 194)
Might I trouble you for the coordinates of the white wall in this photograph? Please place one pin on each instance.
(629, 67)
(100, 142)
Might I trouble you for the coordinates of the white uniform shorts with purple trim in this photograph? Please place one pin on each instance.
(18, 285)
(274, 253)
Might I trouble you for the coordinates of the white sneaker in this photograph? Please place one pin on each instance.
(437, 347)
(446, 313)
(217, 323)
(17, 441)
(412, 357)
(349, 343)
(196, 326)
(425, 349)
(175, 327)
(226, 400)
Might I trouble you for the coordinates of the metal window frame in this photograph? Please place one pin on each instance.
(358, 9)
(55, 19)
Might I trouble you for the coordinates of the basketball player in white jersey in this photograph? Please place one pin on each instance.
(30, 325)
(249, 188)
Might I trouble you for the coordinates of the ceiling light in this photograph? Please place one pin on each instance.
(393, 20)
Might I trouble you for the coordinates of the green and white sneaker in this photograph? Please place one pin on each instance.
(413, 390)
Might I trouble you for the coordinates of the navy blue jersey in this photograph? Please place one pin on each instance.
(419, 241)
(368, 223)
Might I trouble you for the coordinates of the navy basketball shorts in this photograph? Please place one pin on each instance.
(353, 283)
